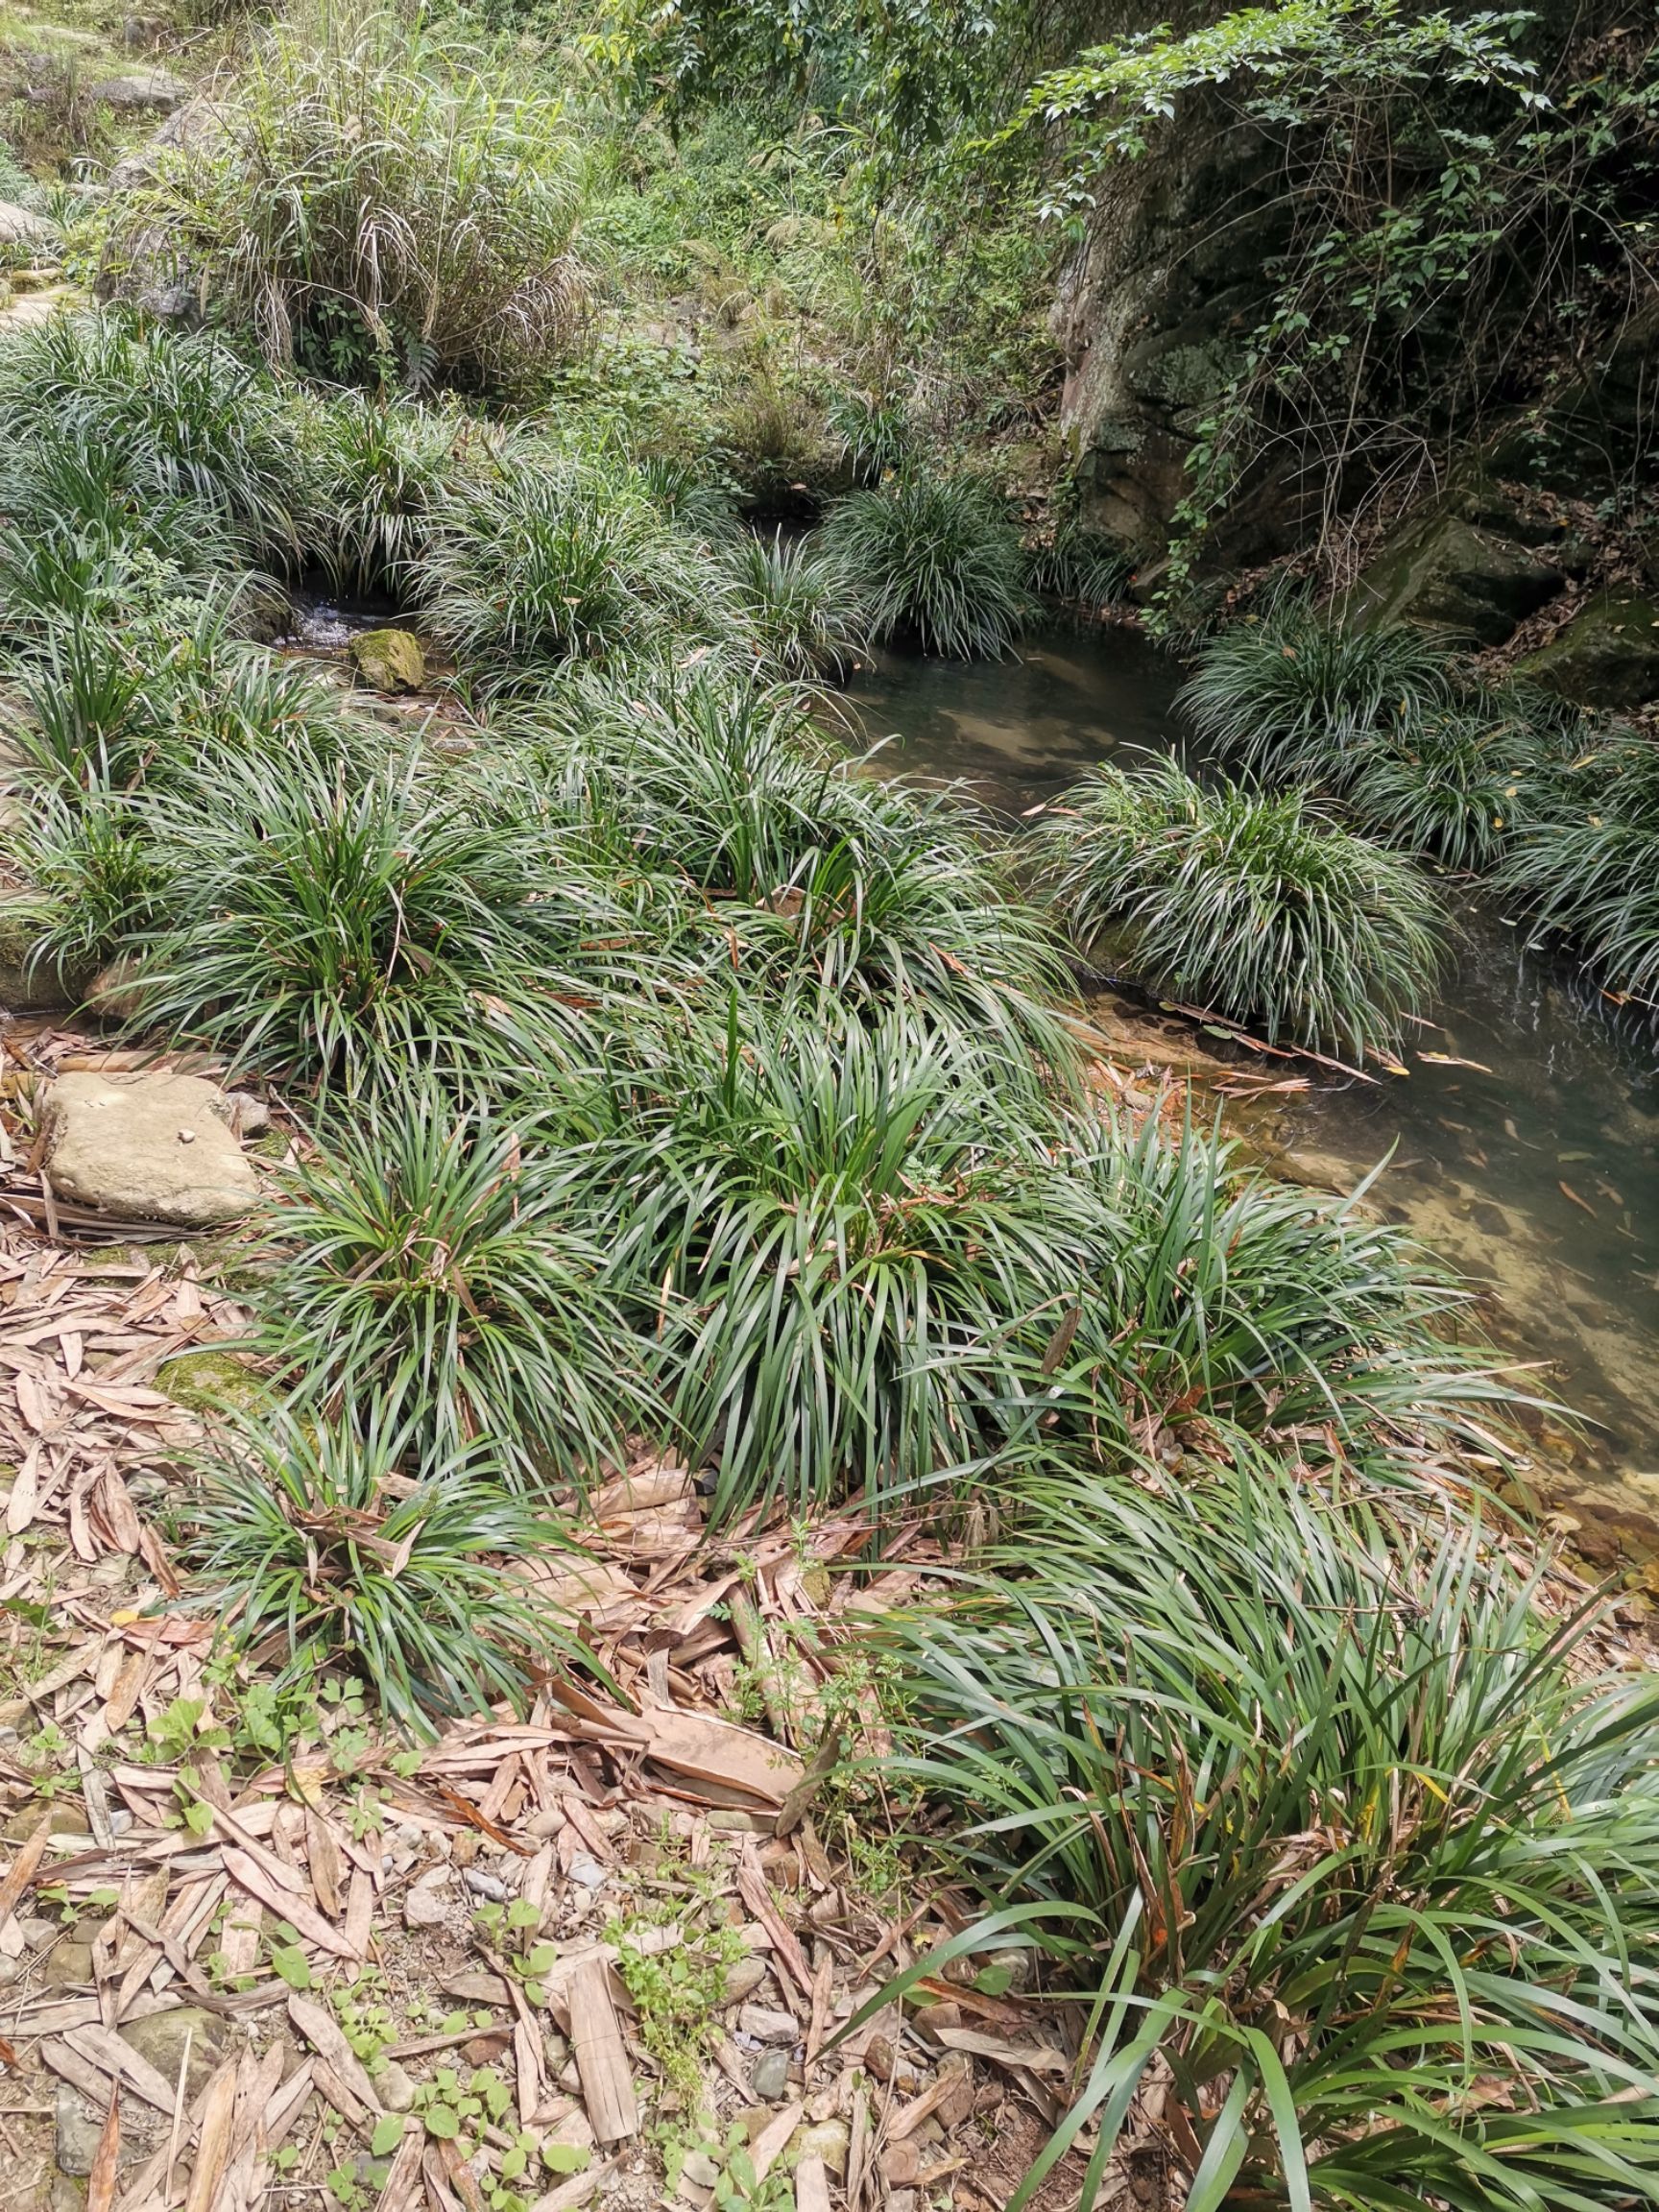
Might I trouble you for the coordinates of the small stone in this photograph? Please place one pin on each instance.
(587, 1872)
(249, 1116)
(489, 1886)
(743, 1977)
(544, 1826)
(464, 1848)
(770, 2080)
(68, 1966)
(60, 1820)
(37, 1931)
(396, 2087)
(699, 2169)
(830, 2140)
(426, 1905)
(769, 2026)
(9, 1970)
(901, 2166)
(162, 2036)
(389, 659)
(77, 2133)
(474, 1989)
(901, 2201)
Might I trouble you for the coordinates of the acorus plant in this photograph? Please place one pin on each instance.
(1254, 904)
(1325, 1832)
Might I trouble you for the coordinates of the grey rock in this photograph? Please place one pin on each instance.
(77, 2129)
(395, 2086)
(489, 1886)
(699, 2169)
(743, 1977)
(1606, 655)
(142, 89)
(389, 659)
(161, 2038)
(829, 2140)
(146, 1147)
(22, 226)
(770, 2078)
(586, 1872)
(1446, 573)
(767, 2025)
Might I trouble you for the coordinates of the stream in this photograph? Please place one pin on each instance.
(1534, 1173)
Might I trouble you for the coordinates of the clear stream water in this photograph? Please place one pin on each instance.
(1535, 1172)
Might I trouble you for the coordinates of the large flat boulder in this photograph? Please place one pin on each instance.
(146, 1147)
(1467, 580)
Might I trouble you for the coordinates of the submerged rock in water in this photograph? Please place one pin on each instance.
(146, 1147)
(389, 659)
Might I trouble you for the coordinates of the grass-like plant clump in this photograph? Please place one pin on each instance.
(550, 556)
(1295, 697)
(377, 201)
(1449, 785)
(1251, 904)
(936, 558)
(1326, 1829)
(343, 1544)
(1585, 860)
(432, 1258)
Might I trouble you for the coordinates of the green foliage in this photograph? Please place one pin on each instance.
(875, 895)
(331, 920)
(432, 1257)
(1585, 858)
(1250, 905)
(551, 556)
(348, 1547)
(381, 470)
(168, 423)
(1296, 697)
(379, 200)
(1368, 1880)
(932, 557)
(676, 1986)
(804, 618)
(1447, 784)
(1084, 569)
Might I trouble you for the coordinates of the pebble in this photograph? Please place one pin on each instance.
(830, 2140)
(700, 2169)
(743, 1977)
(396, 2087)
(770, 2080)
(120, 1820)
(587, 1871)
(489, 1886)
(769, 2026)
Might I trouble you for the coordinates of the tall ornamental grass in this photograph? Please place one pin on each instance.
(1335, 1842)
(378, 201)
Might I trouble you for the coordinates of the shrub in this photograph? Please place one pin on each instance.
(1339, 1840)
(804, 619)
(1295, 697)
(95, 879)
(1447, 784)
(1250, 905)
(869, 1262)
(374, 203)
(1082, 568)
(432, 1257)
(1585, 858)
(556, 556)
(167, 421)
(936, 557)
(339, 1545)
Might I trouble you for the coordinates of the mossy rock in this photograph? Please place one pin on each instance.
(389, 659)
(31, 987)
(212, 1383)
(1607, 656)
(1447, 574)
